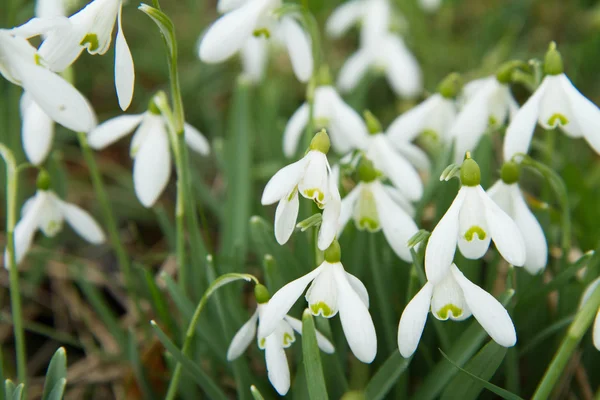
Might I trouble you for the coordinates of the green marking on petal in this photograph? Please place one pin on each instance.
(366, 216)
(475, 230)
(322, 121)
(288, 339)
(557, 119)
(322, 309)
(37, 59)
(262, 343)
(430, 134)
(91, 42)
(292, 194)
(368, 224)
(492, 121)
(316, 195)
(262, 32)
(443, 313)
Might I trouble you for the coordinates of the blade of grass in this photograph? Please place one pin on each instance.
(138, 369)
(386, 376)
(57, 371)
(315, 378)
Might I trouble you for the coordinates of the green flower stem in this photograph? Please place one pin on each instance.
(109, 218)
(15, 294)
(582, 322)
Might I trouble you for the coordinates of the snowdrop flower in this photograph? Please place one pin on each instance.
(596, 328)
(150, 149)
(488, 103)
(457, 298)
(375, 206)
(507, 194)
(229, 33)
(274, 344)
(472, 221)
(555, 103)
(430, 5)
(21, 64)
(389, 55)
(433, 117)
(373, 16)
(346, 128)
(46, 212)
(91, 28)
(50, 8)
(312, 178)
(332, 290)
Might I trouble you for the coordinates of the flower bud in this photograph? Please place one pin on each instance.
(366, 170)
(553, 63)
(510, 172)
(261, 293)
(470, 175)
(320, 142)
(43, 180)
(373, 124)
(333, 254)
(451, 85)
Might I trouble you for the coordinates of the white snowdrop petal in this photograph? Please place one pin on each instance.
(410, 124)
(283, 182)
(282, 301)
(196, 140)
(474, 234)
(442, 242)
(343, 17)
(124, 70)
(353, 70)
(536, 247)
(351, 127)
(299, 48)
(359, 288)
(25, 229)
(488, 311)
(152, 167)
(61, 48)
(402, 68)
(412, 321)
(285, 217)
(83, 223)
(254, 56)
(294, 129)
(112, 130)
(243, 338)
(224, 6)
(504, 232)
(400, 199)
(324, 343)
(586, 113)
(41, 25)
(277, 365)
(37, 131)
(596, 331)
(331, 216)
(414, 155)
(375, 22)
(347, 207)
(356, 321)
(50, 8)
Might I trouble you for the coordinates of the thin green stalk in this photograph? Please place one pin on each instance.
(582, 322)
(15, 293)
(109, 218)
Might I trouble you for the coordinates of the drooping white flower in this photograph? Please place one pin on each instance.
(389, 55)
(457, 298)
(434, 116)
(374, 206)
(332, 290)
(312, 178)
(21, 64)
(488, 102)
(231, 32)
(555, 103)
(472, 221)
(344, 125)
(46, 212)
(372, 15)
(150, 149)
(274, 344)
(507, 194)
(596, 328)
(92, 28)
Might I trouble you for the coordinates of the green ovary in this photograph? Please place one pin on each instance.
(443, 313)
(475, 230)
(321, 308)
(558, 119)
(91, 41)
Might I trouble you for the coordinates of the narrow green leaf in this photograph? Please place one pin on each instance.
(546, 333)
(13, 392)
(386, 376)
(256, 393)
(58, 390)
(315, 378)
(2, 392)
(158, 301)
(505, 394)
(138, 369)
(193, 370)
(165, 25)
(57, 370)
(483, 365)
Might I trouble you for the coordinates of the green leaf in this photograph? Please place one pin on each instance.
(315, 378)
(505, 394)
(256, 393)
(386, 376)
(13, 392)
(193, 370)
(165, 25)
(58, 390)
(57, 370)
(483, 365)
(138, 369)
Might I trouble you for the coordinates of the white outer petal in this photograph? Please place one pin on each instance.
(196, 140)
(112, 130)
(254, 56)
(224, 6)
(353, 70)
(586, 113)
(293, 130)
(124, 70)
(412, 321)
(152, 167)
(331, 216)
(50, 8)
(492, 316)
(596, 331)
(409, 125)
(324, 343)
(348, 204)
(402, 68)
(343, 17)
(348, 126)
(277, 365)
(26, 228)
(359, 288)
(283, 182)
(286, 215)
(243, 338)
(82, 223)
(37, 130)
(299, 48)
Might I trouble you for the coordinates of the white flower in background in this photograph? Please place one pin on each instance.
(372, 15)
(472, 221)
(312, 178)
(488, 102)
(46, 212)
(346, 128)
(150, 149)
(59, 100)
(374, 206)
(332, 290)
(92, 28)
(389, 55)
(430, 5)
(596, 328)
(231, 32)
(50, 8)
(254, 55)
(457, 298)
(274, 344)
(555, 103)
(507, 194)
(433, 117)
